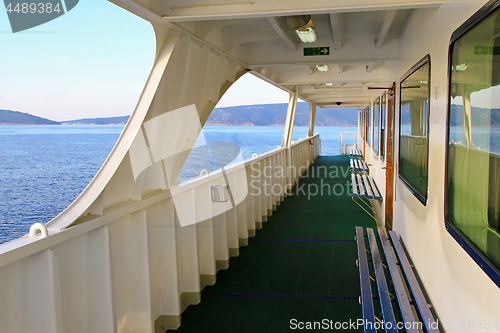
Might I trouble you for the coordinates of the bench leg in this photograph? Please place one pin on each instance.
(363, 208)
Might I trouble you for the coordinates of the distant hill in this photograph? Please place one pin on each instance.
(275, 115)
(8, 117)
(244, 115)
(98, 121)
(480, 116)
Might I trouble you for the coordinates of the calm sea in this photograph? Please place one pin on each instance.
(44, 168)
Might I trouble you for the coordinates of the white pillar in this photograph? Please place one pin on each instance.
(312, 117)
(290, 118)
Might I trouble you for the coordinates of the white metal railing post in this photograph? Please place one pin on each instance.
(341, 150)
(351, 141)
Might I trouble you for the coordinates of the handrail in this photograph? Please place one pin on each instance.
(24, 246)
(342, 144)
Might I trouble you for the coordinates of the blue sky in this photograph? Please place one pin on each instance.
(91, 62)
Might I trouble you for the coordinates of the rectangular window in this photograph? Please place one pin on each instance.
(473, 155)
(376, 122)
(414, 129)
(369, 125)
(382, 125)
(362, 122)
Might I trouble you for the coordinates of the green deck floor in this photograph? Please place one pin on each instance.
(301, 265)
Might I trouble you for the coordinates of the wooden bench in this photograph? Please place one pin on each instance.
(363, 186)
(358, 165)
(399, 276)
(355, 153)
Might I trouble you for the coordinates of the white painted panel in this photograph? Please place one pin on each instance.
(169, 262)
(155, 245)
(221, 237)
(232, 227)
(44, 296)
(130, 271)
(250, 201)
(72, 258)
(205, 229)
(101, 314)
(14, 306)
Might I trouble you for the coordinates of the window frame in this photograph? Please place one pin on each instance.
(376, 147)
(382, 149)
(426, 59)
(470, 248)
(369, 125)
(362, 120)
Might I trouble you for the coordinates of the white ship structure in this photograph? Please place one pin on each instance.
(138, 247)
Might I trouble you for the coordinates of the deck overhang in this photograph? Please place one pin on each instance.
(362, 38)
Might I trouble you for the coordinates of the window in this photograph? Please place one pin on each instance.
(376, 122)
(473, 154)
(369, 125)
(362, 122)
(414, 129)
(382, 125)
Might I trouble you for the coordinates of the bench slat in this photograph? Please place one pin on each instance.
(354, 185)
(366, 289)
(365, 166)
(367, 187)
(376, 193)
(361, 187)
(383, 290)
(350, 152)
(403, 301)
(356, 164)
(352, 164)
(418, 296)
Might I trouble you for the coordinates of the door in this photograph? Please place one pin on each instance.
(389, 188)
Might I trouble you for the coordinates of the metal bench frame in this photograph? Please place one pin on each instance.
(358, 165)
(355, 153)
(363, 186)
(395, 257)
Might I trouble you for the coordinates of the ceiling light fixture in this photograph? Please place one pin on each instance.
(304, 27)
(329, 84)
(307, 33)
(323, 68)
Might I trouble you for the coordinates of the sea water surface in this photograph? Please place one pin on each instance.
(44, 168)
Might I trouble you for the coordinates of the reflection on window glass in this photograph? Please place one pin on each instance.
(376, 120)
(413, 140)
(382, 125)
(473, 165)
(369, 124)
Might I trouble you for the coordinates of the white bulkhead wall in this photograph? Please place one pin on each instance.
(457, 286)
(117, 259)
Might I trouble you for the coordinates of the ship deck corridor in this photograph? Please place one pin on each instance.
(301, 265)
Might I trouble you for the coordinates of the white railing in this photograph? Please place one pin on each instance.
(134, 268)
(348, 140)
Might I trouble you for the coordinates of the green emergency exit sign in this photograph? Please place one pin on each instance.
(487, 50)
(316, 51)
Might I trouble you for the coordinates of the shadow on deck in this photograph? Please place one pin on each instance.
(300, 266)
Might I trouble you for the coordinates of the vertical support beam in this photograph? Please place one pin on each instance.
(287, 135)
(312, 117)
(290, 118)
